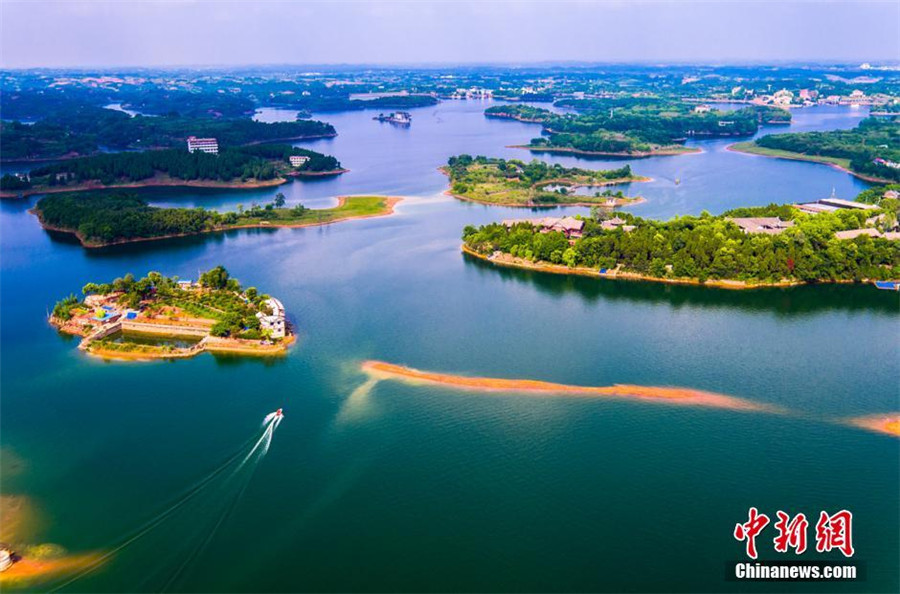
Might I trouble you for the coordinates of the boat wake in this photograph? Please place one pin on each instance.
(212, 500)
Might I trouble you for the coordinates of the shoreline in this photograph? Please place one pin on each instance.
(634, 155)
(808, 159)
(208, 343)
(167, 182)
(389, 203)
(511, 262)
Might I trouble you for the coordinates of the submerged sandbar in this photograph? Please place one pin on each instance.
(671, 395)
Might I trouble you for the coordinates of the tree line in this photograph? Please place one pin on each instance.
(709, 247)
(872, 139)
(260, 162)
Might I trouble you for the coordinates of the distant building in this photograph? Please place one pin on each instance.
(782, 98)
(298, 160)
(274, 323)
(204, 145)
(891, 194)
(767, 225)
(702, 109)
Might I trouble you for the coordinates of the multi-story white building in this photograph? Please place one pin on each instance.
(297, 160)
(274, 323)
(205, 145)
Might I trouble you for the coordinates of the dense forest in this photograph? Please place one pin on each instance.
(709, 247)
(871, 147)
(876, 194)
(509, 181)
(103, 218)
(634, 125)
(107, 218)
(84, 129)
(258, 162)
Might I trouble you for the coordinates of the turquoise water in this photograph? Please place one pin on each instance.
(421, 488)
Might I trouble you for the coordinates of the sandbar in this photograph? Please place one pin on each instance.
(670, 395)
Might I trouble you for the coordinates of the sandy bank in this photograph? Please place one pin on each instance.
(888, 423)
(682, 396)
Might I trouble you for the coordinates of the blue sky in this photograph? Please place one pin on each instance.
(208, 32)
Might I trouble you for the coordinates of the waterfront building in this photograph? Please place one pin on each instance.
(298, 160)
(275, 322)
(568, 226)
(831, 204)
(204, 145)
(702, 109)
(767, 225)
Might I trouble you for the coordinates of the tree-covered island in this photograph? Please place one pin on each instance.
(104, 219)
(517, 183)
(870, 151)
(234, 167)
(747, 247)
(634, 127)
(162, 317)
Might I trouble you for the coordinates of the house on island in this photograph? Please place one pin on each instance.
(703, 108)
(298, 160)
(204, 145)
(273, 323)
(568, 226)
(768, 225)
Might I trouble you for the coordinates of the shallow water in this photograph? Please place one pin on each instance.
(385, 486)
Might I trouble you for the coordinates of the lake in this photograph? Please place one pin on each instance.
(395, 487)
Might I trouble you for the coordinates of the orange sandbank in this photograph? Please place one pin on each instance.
(685, 396)
(889, 423)
(29, 570)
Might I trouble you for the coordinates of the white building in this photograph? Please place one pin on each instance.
(298, 160)
(275, 322)
(204, 145)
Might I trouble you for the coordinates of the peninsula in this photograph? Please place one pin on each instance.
(871, 151)
(633, 126)
(512, 182)
(245, 167)
(158, 317)
(104, 219)
(744, 248)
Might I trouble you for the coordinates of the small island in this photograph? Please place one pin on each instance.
(159, 317)
(871, 151)
(105, 219)
(743, 248)
(512, 182)
(633, 126)
(244, 167)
